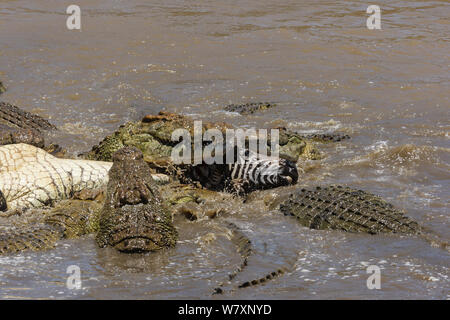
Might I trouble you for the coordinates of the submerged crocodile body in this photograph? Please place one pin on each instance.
(153, 136)
(67, 220)
(249, 108)
(19, 126)
(347, 209)
(351, 210)
(16, 117)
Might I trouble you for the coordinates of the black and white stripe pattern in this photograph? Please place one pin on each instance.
(254, 168)
(261, 171)
(249, 171)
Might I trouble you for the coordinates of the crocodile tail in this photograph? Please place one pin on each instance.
(262, 280)
(270, 276)
(34, 237)
(244, 247)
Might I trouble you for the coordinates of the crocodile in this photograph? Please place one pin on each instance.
(132, 218)
(347, 209)
(326, 137)
(244, 247)
(20, 126)
(153, 136)
(343, 208)
(354, 211)
(135, 217)
(249, 108)
(16, 117)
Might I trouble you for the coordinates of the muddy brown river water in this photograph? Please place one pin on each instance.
(388, 89)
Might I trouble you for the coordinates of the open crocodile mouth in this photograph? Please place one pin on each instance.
(136, 244)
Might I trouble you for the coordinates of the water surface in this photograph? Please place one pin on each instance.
(388, 89)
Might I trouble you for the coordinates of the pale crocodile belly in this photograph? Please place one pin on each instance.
(31, 177)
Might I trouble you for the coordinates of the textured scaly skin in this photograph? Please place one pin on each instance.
(351, 210)
(19, 126)
(16, 117)
(347, 209)
(245, 249)
(153, 136)
(69, 219)
(32, 178)
(249, 108)
(133, 219)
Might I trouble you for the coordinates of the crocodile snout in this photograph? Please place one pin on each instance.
(134, 218)
(136, 244)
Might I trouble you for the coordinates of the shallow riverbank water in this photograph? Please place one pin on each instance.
(388, 89)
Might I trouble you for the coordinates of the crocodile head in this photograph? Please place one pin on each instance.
(134, 217)
(153, 136)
